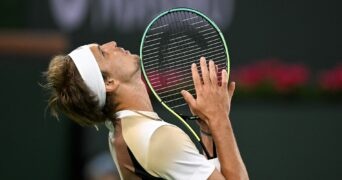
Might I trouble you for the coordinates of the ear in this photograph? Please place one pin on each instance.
(111, 85)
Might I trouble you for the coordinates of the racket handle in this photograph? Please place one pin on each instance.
(189, 118)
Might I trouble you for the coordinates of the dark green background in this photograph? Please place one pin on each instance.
(278, 139)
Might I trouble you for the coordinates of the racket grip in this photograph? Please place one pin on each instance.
(189, 118)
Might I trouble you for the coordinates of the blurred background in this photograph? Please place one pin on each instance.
(285, 57)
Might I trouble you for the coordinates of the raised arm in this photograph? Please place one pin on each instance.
(212, 105)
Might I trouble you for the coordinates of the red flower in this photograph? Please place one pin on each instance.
(248, 76)
(282, 77)
(331, 80)
(289, 77)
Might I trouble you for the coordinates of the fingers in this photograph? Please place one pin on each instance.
(196, 77)
(189, 99)
(231, 89)
(209, 76)
(212, 73)
(224, 81)
(204, 70)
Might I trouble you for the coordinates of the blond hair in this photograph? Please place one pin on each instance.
(69, 94)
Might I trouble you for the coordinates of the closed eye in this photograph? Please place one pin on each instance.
(99, 48)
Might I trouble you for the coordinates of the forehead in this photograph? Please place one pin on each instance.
(94, 49)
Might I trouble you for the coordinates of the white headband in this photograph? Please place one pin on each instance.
(90, 72)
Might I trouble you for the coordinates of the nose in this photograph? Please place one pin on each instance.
(111, 44)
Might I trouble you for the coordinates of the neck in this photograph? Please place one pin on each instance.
(133, 97)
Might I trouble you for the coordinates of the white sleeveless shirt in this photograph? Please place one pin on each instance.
(162, 149)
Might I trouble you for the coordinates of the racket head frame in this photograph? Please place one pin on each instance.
(145, 74)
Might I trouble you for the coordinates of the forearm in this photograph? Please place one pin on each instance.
(212, 105)
(232, 166)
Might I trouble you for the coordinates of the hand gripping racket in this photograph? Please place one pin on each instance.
(170, 44)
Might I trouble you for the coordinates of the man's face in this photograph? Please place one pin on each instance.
(119, 63)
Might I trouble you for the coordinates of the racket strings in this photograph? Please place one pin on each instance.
(175, 78)
(171, 95)
(192, 53)
(171, 46)
(179, 63)
(182, 75)
(178, 76)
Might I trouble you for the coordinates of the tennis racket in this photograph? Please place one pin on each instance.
(170, 44)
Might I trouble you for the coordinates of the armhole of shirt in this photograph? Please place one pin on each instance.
(113, 152)
(137, 138)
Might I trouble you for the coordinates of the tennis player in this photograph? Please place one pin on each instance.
(102, 83)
